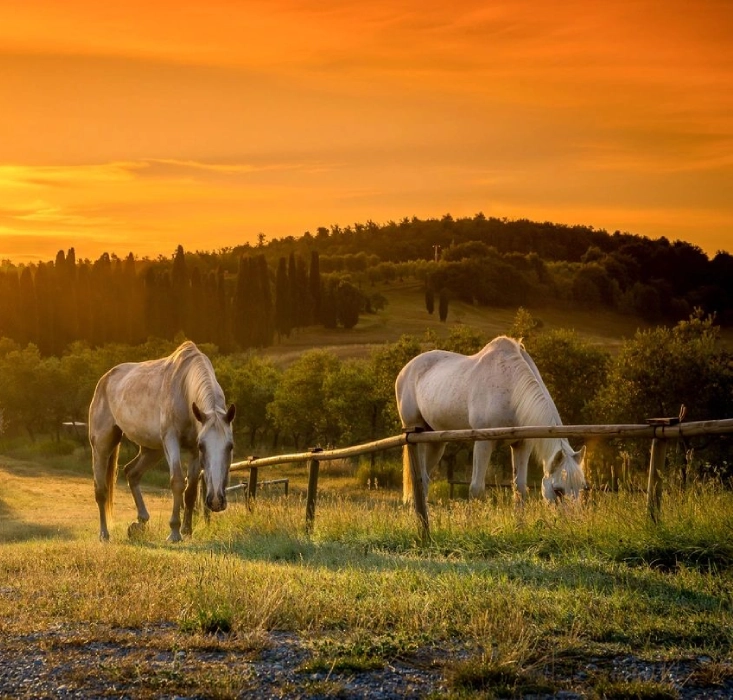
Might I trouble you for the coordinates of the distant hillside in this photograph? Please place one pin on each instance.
(257, 296)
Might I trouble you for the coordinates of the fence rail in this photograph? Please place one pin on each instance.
(658, 430)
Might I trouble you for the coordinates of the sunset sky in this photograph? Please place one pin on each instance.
(136, 126)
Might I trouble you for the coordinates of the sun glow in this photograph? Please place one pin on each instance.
(138, 127)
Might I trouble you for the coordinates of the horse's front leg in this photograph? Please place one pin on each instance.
(190, 494)
(173, 455)
(482, 450)
(520, 460)
(134, 471)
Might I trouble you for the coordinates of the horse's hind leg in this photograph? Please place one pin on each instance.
(429, 455)
(105, 444)
(134, 471)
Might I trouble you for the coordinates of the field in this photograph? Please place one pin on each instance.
(584, 600)
(405, 314)
(588, 601)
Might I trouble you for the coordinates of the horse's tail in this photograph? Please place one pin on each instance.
(407, 492)
(111, 480)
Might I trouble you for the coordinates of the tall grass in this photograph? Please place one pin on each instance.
(523, 584)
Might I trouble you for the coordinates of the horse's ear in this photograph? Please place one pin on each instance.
(579, 456)
(200, 417)
(230, 413)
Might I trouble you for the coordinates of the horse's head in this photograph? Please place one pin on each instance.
(215, 445)
(564, 475)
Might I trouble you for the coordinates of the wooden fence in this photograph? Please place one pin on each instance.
(659, 430)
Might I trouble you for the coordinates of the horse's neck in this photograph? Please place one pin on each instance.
(533, 405)
(546, 448)
(201, 386)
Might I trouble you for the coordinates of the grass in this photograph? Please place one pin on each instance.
(405, 314)
(514, 590)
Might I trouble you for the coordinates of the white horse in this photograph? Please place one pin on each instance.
(163, 406)
(497, 387)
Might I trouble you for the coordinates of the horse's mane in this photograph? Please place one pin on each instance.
(531, 399)
(196, 374)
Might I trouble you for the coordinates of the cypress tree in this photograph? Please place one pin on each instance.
(179, 281)
(9, 304)
(28, 320)
(443, 305)
(295, 322)
(44, 295)
(84, 303)
(242, 312)
(264, 303)
(283, 325)
(429, 297)
(304, 308)
(314, 285)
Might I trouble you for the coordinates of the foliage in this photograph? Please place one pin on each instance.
(462, 339)
(250, 382)
(662, 369)
(297, 406)
(573, 371)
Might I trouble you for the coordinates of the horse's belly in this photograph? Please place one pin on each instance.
(137, 414)
(140, 425)
(443, 408)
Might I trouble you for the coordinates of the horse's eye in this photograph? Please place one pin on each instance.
(230, 447)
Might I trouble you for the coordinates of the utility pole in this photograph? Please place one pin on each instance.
(436, 250)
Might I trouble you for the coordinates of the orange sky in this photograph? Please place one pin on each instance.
(137, 126)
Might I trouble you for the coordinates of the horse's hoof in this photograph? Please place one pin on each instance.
(135, 529)
(104, 537)
(174, 537)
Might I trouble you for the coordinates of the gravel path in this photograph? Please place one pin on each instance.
(161, 664)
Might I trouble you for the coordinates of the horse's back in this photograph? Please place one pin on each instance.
(431, 390)
(450, 391)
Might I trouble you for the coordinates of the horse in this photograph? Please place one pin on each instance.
(500, 386)
(163, 406)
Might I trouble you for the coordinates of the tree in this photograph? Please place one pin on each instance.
(663, 368)
(443, 305)
(463, 339)
(429, 297)
(387, 361)
(298, 406)
(249, 382)
(283, 321)
(349, 301)
(573, 371)
(314, 284)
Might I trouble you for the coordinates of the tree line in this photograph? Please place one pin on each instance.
(507, 262)
(250, 296)
(112, 300)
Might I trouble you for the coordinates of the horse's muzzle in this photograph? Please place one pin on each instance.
(559, 492)
(216, 504)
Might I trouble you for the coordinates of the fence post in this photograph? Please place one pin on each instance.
(310, 499)
(252, 484)
(419, 498)
(654, 487)
(656, 464)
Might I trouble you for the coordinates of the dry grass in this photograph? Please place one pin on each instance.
(511, 593)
